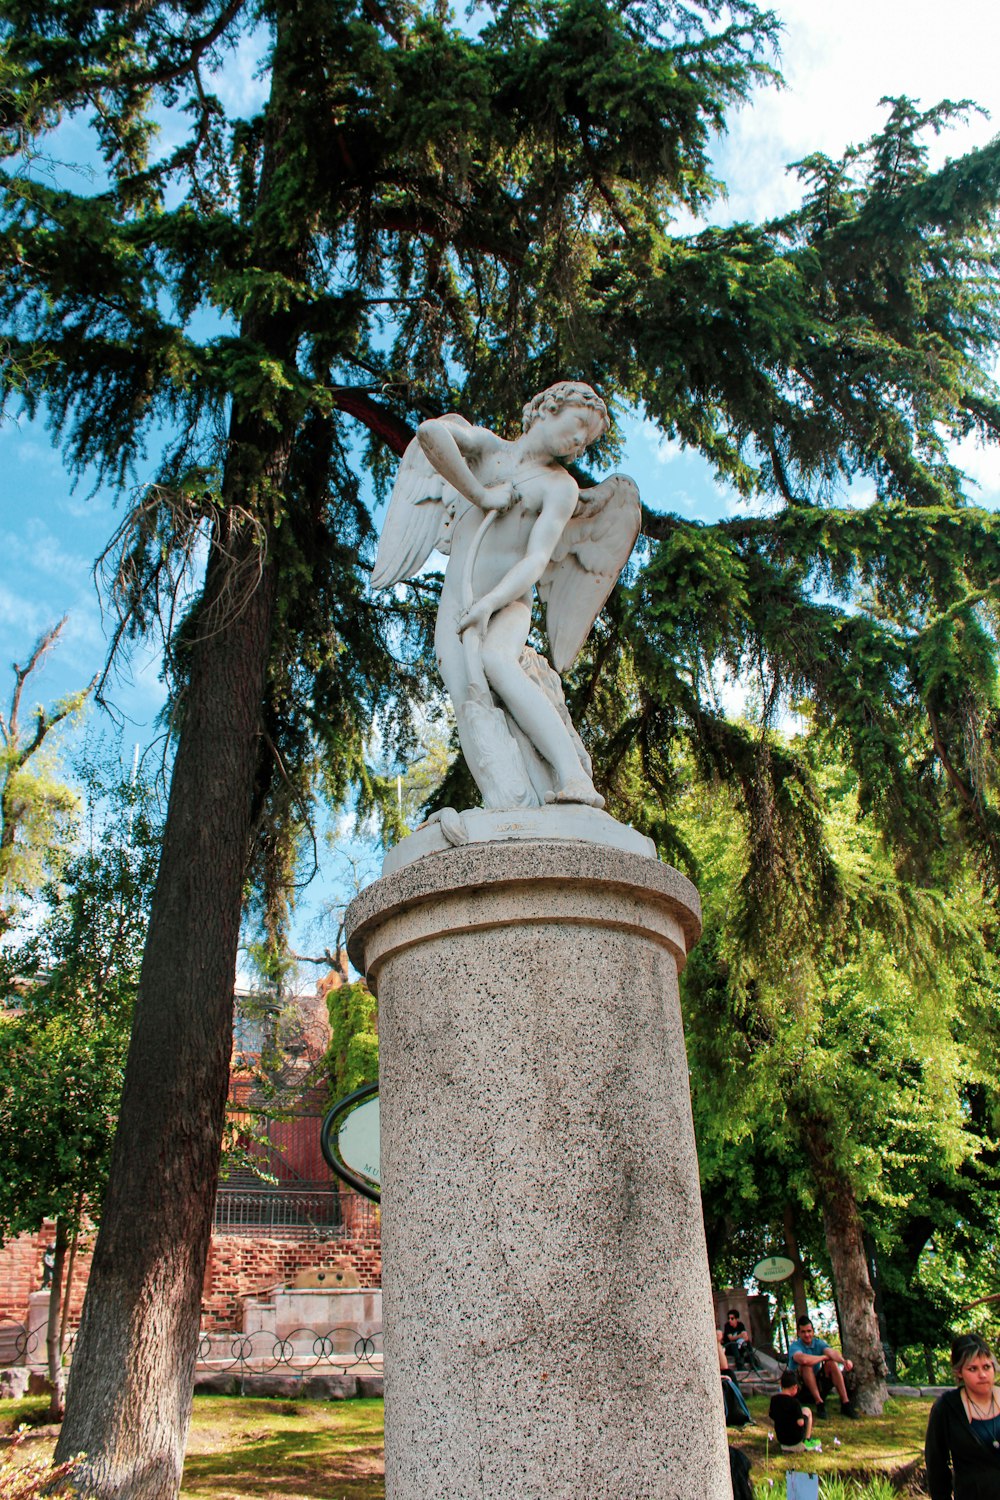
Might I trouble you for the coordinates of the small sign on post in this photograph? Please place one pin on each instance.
(773, 1268)
(350, 1141)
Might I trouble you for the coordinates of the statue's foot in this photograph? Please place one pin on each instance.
(451, 824)
(577, 790)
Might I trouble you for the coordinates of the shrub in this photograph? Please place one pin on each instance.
(26, 1478)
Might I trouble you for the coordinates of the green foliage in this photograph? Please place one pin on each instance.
(832, 1487)
(804, 356)
(352, 1057)
(409, 225)
(68, 992)
(424, 218)
(859, 1050)
(36, 805)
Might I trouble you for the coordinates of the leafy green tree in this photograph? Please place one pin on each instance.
(352, 1056)
(414, 205)
(421, 218)
(832, 1066)
(36, 807)
(68, 995)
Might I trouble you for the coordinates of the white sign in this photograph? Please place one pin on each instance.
(358, 1140)
(774, 1268)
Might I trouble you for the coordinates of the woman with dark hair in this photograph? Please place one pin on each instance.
(963, 1434)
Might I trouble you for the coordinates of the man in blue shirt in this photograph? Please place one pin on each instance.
(818, 1365)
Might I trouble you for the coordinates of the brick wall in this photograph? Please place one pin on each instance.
(21, 1273)
(238, 1266)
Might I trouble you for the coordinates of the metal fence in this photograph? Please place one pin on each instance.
(20, 1345)
(341, 1347)
(298, 1212)
(337, 1349)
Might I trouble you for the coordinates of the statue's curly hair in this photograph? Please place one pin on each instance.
(566, 393)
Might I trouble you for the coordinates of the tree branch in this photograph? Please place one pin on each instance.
(198, 47)
(383, 423)
(21, 674)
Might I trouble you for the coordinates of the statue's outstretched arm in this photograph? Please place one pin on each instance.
(446, 447)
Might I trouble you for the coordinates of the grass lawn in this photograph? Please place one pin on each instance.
(868, 1447)
(246, 1449)
(251, 1449)
(288, 1450)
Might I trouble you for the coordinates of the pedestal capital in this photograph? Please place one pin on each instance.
(481, 887)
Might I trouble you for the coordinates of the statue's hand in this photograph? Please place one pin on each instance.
(499, 496)
(476, 617)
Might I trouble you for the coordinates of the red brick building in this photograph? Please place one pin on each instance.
(287, 1216)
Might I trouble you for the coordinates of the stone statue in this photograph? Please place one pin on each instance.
(513, 520)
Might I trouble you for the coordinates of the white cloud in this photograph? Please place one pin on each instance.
(837, 62)
(38, 454)
(22, 613)
(239, 83)
(662, 450)
(981, 463)
(38, 549)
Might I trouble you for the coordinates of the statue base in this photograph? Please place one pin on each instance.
(484, 825)
(549, 1327)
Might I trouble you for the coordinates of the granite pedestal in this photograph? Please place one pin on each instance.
(548, 1313)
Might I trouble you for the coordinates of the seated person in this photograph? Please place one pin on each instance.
(737, 1343)
(739, 1473)
(819, 1366)
(792, 1422)
(737, 1411)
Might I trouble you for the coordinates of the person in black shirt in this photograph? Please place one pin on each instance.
(736, 1342)
(963, 1432)
(792, 1421)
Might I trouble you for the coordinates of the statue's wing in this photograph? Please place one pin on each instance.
(591, 553)
(422, 512)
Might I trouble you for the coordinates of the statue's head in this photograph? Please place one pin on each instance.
(550, 402)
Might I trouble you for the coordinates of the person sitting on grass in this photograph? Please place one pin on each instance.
(819, 1366)
(792, 1422)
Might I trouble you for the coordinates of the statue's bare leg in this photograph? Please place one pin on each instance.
(451, 662)
(535, 715)
(450, 653)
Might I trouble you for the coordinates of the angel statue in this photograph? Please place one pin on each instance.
(513, 520)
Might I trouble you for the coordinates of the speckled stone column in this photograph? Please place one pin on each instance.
(548, 1316)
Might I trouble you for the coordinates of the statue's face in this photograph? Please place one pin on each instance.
(567, 433)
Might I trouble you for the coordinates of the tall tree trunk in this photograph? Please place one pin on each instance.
(53, 1341)
(855, 1297)
(129, 1397)
(131, 1381)
(798, 1275)
(883, 1327)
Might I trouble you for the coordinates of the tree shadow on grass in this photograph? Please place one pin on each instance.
(286, 1466)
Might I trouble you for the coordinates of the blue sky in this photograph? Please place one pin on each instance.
(838, 60)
